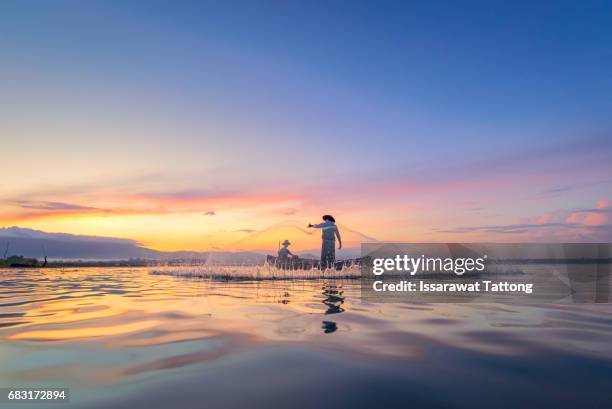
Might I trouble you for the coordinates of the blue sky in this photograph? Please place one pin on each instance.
(312, 104)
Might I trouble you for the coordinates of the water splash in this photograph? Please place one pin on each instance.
(266, 271)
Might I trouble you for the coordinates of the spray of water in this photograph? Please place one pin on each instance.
(266, 271)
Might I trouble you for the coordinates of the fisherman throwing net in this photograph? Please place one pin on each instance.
(329, 233)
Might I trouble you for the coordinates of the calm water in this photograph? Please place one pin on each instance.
(124, 338)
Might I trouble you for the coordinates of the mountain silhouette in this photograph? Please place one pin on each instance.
(64, 246)
(36, 243)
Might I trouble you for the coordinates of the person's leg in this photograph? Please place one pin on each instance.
(324, 255)
(328, 254)
(332, 255)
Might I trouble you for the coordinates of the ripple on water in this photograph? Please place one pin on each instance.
(94, 327)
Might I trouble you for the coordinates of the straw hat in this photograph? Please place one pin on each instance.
(286, 243)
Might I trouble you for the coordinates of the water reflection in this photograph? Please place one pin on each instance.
(333, 300)
(329, 327)
(102, 331)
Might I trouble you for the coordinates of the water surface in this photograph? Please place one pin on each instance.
(125, 338)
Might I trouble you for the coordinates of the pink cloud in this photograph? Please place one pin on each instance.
(577, 225)
(600, 215)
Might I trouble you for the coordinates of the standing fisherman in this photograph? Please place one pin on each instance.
(329, 234)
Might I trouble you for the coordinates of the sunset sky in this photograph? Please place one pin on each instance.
(193, 125)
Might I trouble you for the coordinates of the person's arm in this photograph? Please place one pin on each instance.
(339, 238)
(317, 226)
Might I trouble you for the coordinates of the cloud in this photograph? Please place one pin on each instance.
(20, 210)
(425, 190)
(135, 202)
(44, 205)
(576, 161)
(588, 224)
(600, 215)
(246, 231)
(560, 190)
(555, 191)
(507, 228)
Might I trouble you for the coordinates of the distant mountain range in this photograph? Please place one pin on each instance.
(62, 246)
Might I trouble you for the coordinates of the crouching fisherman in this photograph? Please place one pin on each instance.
(284, 252)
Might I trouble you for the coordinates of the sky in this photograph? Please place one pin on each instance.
(192, 125)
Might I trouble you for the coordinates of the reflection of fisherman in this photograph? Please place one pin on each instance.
(334, 299)
(329, 234)
(284, 252)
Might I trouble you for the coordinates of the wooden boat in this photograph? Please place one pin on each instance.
(296, 263)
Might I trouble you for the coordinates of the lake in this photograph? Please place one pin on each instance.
(126, 338)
